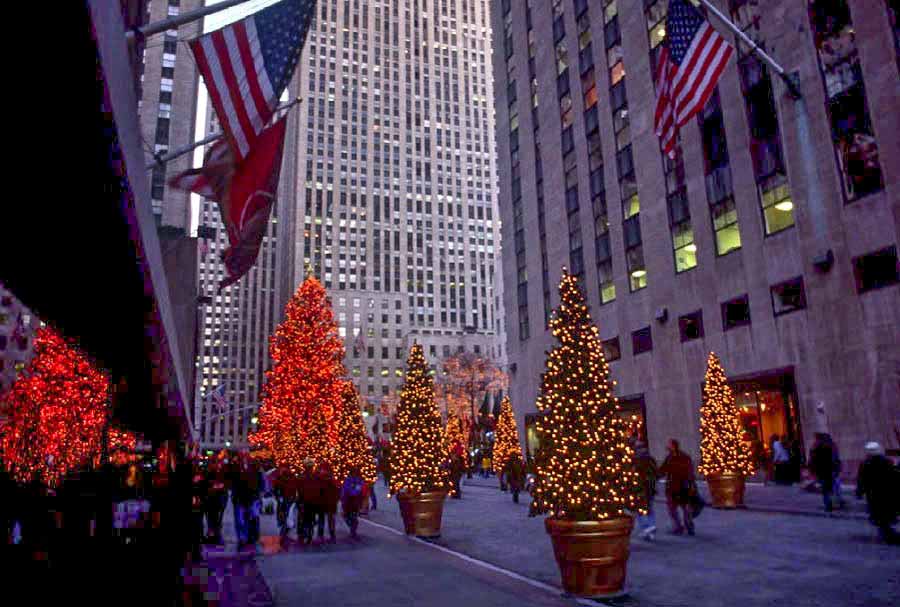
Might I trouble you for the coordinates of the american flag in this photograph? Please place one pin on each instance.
(248, 64)
(690, 64)
(218, 399)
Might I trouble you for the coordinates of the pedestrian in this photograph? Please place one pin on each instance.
(215, 500)
(330, 495)
(780, 459)
(836, 486)
(351, 500)
(822, 462)
(245, 492)
(286, 488)
(795, 460)
(515, 476)
(373, 495)
(309, 498)
(680, 487)
(457, 467)
(879, 481)
(648, 472)
(386, 465)
(485, 466)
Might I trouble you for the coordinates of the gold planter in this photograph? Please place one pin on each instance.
(422, 513)
(726, 490)
(592, 555)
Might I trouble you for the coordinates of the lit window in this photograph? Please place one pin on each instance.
(777, 204)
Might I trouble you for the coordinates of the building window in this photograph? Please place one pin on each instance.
(736, 312)
(690, 326)
(641, 341)
(611, 350)
(605, 279)
(788, 296)
(777, 204)
(725, 226)
(851, 127)
(876, 270)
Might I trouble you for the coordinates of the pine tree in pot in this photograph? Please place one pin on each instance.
(419, 477)
(725, 461)
(585, 478)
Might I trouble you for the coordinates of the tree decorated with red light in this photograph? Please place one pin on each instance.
(417, 445)
(506, 437)
(584, 465)
(721, 449)
(56, 412)
(353, 448)
(302, 395)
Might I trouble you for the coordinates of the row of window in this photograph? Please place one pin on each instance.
(872, 271)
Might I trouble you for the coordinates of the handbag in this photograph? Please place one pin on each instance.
(697, 503)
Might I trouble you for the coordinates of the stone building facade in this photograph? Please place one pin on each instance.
(771, 239)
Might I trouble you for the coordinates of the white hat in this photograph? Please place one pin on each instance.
(873, 448)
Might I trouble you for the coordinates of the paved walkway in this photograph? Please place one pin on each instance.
(758, 497)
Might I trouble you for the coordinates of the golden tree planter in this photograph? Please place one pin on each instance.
(726, 490)
(422, 513)
(592, 555)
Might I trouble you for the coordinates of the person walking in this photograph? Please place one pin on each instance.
(780, 459)
(485, 466)
(795, 461)
(330, 495)
(215, 500)
(822, 462)
(648, 473)
(680, 487)
(879, 481)
(457, 467)
(309, 497)
(351, 500)
(515, 476)
(286, 489)
(245, 493)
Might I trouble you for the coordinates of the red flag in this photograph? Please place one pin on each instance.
(212, 179)
(248, 203)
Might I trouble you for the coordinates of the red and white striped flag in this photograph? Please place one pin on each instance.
(690, 64)
(248, 64)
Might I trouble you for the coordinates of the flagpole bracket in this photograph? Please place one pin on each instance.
(792, 82)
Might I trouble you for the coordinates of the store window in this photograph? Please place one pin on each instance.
(876, 270)
(611, 350)
(641, 341)
(788, 296)
(690, 326)
(736, 312)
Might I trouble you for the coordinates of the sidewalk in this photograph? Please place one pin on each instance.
(757, 497)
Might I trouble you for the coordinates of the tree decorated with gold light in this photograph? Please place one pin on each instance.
(353, 448)
(721, 449)
(302, 397)
(584, 465)
(455, 435)
(417, 445)
(506, 437)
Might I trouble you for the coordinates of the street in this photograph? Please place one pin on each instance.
(494, 554)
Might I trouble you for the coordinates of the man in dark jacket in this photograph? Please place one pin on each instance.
(878, 480)
(648, 472)
(823, 462)
(680, 487)
(514, 472)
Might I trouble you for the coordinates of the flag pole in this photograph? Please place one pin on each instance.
(161, 159)
(754, 48)
(173, 22)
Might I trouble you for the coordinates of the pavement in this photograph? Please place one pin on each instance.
(759, 497)
(491, 553)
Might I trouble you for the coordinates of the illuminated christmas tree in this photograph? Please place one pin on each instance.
(302, 395)
(455, 435)
(721, 449)
(417, 448)
(353, 447)
(584, 468)
(57, 409)
(506, 437)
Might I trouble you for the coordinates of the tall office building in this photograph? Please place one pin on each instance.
(775, 250)
(396, 209)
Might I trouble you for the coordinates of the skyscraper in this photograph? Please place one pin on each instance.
(731, 246)
(396, 209)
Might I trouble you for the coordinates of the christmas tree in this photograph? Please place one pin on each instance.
(721, 448)
(455, 435)
(57, 410)
(353, 446)
(417, 454)
(584, 465)
(302, 395)
(506, 437)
